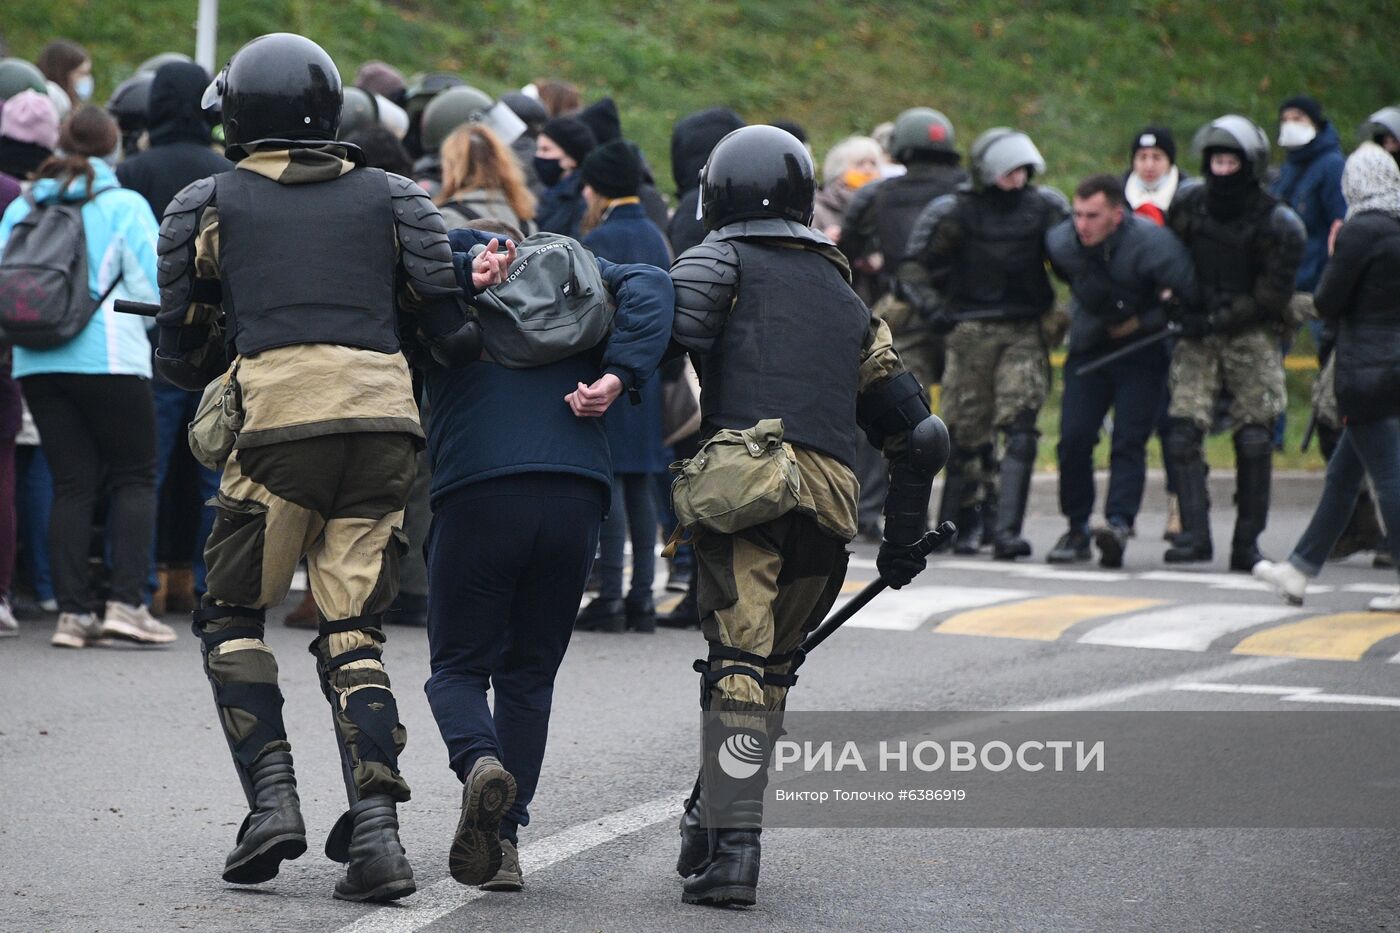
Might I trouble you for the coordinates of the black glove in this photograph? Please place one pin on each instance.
(900, 563)
(1195, 326)
(939, 322)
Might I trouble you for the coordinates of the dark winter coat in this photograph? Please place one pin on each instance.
(562, 207)
(634, 431)
(180, 150)
(692, 139)
(1360, 289)
(1310, 182)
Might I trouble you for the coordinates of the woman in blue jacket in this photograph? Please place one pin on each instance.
(621, 232)
(91, 397)
(521, 482)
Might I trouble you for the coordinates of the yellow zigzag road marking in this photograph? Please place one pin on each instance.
(1342, 637)
(1044, 619)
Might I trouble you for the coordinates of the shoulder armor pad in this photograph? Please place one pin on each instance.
(937, 211)
(425, 253)
(1285, 224)
(1055, 199)
(178, 227)
(706, 280)
(864, 199)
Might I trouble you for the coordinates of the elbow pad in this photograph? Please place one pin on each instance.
(890, 407)
(706, 280)
(459, 348)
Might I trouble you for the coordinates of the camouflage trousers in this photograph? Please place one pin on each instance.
(337, 500)
(1248, 364)
(1324, 396)
(760, 591)
(995, 371)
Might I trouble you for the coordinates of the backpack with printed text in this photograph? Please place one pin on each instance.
(552, 305)
(44, 298)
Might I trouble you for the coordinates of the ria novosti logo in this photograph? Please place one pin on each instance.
(742, 755)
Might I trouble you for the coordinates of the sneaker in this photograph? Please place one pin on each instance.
(49, 605)
(1288, 581)
(1072, 548)
(508, 878)
(487, 794)
(8, 626)
(1389, 603)
(76, 630)
(1112, 541)
(135, 623)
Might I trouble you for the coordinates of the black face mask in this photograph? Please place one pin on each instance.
(549, 171)
(1229, 196)
(1004, 200)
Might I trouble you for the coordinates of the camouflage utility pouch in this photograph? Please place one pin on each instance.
(217, 420)
(738, 479)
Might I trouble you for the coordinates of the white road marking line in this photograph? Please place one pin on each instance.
(1293, 694)
(1184, 628)
(1382, 589)
(1117, 695)
(442, 898)
(907, 609)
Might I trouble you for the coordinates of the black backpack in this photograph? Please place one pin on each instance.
(44, 300)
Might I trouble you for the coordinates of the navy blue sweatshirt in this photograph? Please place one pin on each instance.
(489, 420)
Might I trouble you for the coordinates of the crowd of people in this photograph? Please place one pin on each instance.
(1184, 294)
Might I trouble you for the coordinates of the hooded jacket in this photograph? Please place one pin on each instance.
(692, 140)
(1360, 290)
(121, 239)
(180, 150)
(1310, 182)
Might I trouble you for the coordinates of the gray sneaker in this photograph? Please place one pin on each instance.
(75, 630)
(8, 626)
(508, 878)
(135, 623)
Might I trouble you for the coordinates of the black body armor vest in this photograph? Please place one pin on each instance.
(1224, 252)
(1000, 264)
(791, 349)
(310, 263)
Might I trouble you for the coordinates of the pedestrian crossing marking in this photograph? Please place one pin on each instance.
(1189, 627)
(1044, 619)
(907, 609)
(1345, 636)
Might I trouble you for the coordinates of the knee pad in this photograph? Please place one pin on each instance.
(1022, 438)
(1183, 441)
(238, 646)
(1254, 440)
(711, 676)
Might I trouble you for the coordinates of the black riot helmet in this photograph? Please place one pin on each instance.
(757, 171)
(129, 106)
(277, 87)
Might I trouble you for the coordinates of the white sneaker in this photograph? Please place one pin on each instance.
(136, 623)
(75, 630)
(1389, 603)
(1288, 581)
(8, 626)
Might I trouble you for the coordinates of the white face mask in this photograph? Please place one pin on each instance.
(1295, 133)
(83, 87)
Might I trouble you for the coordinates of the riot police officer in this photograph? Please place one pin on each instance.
(1246, 247)
(824, 361)
(975, 269)
(293, 264)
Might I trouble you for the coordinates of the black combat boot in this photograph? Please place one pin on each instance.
(730, 877)
(367, 838)
(687, 611)
(1194, 544)
(273, 829)
(1015, 487)
(951, 508)
(695, 839)
(1254, 460)
(602, 615)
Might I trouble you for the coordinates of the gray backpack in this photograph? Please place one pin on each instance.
(44, 299)
(552, 305)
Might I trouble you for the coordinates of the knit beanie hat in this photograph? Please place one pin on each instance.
(1154, 137)
(614, 169)
(601, 117)
(30, 117)
(572, 135)
(1308, 105)
(380, 78)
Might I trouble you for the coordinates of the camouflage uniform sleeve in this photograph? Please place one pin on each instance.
(878, 359)
(933, 243)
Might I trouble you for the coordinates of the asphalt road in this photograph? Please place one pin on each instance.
(120, 802)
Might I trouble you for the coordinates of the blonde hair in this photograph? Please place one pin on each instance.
(473, 157)
(846, 153)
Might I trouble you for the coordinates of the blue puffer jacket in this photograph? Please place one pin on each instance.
(634, 431)
(121, 238)
(489, 421)
(1310, 182)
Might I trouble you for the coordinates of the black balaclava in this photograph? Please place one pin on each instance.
(1229, 196)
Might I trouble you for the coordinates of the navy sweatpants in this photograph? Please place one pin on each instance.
(508, 560)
